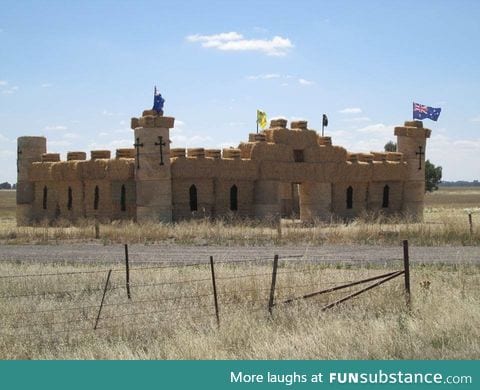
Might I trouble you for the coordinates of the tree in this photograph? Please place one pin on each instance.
(433, 176)
(390, 146)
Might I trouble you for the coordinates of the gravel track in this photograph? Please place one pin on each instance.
(98, 253)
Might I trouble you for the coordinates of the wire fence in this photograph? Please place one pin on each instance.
(70, 302)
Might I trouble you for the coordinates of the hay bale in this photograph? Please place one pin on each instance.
(302, 125)
(120, 169)
(365, 157)
(72, 156)
(278, 123)
(99, 154)
(150, 112)
(196, 153)
(66, 171)
(352, 157)
(94, 169)
(213, 153)
(231, 153)
(394, 156)
(177, 152)
(50, 157)
(379, 156)
(125, 153)
(40, 171)
(134, 123)
(417, 124)
(325, 141)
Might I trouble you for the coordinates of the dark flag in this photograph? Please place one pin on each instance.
(325, 120)
(158, 101)
(421, 112)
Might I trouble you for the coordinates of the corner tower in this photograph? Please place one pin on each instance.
(29, 150)
(152, 166)
(411, 141)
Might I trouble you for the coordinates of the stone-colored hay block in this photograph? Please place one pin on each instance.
(301, 125)
(379, 156)
(66, 171)
(325, 141)
(125, 153)
(394, 156)
(196, 153)
(230, 153)
(365, 157)
(40, 171)
(94, 169)
(73, 156)
(213, 153)
(278, 123)
(177, 153)
(295, 139)
(121, 169)
(257, 137)
(352, 157)
(417, 124)
(99, 154)
(50, 157)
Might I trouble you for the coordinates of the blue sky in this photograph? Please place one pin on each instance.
(76, 72)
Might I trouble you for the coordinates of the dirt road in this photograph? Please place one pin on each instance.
(96, 252)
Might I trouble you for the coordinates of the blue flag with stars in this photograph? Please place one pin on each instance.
(158, 101)
(421, 112)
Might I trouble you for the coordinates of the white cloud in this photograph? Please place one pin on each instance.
(56, 128)
(71, 136)
(475, 119)
(5, 89)
(357, 119)
(305, 82)
(351, 110)
(46, 85)
(264, 76)
(376, 129)
(233, 41)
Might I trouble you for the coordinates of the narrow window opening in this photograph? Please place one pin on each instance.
(298, 155)
(70, 198)
(386, 196)
(193, 198)
(45, 196)
(349, 197)
(96, 198)
(234, 198)
(123, 199)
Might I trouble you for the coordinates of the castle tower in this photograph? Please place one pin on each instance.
(411, 141)
(152, 166)
(29, 150)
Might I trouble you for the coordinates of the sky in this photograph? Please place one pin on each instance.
(76, 72)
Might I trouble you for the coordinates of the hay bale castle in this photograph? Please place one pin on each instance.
(280, 172)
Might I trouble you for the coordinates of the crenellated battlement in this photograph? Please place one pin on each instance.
(279, 171)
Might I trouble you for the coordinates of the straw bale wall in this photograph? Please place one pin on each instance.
(339, 199)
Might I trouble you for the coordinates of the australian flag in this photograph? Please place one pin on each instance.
(158, 102)
(421, 112)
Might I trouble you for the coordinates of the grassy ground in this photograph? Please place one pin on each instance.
(445, 223)
(172, 317)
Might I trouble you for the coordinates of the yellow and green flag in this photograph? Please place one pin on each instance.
(261, 119)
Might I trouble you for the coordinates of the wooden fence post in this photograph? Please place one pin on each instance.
(127, 272)
(103, 299)
(215, 298)
(406, 268)
(470, 222)
(97, 230)
(272, 287)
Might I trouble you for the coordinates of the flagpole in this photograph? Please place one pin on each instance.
(322, 127)
(257, 126)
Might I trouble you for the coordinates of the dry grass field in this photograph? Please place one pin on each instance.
(171, 313)
(49, 310)
(445, 223)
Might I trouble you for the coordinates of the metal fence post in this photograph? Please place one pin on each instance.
(406, 267)
(215, 298)
(272, 287)
(103, 299)
(127, 272)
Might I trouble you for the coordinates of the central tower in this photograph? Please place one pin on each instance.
(152, 166)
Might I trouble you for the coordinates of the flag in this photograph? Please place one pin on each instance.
(421, 112)
(325, 120)
(261, 119)
(158, 101)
